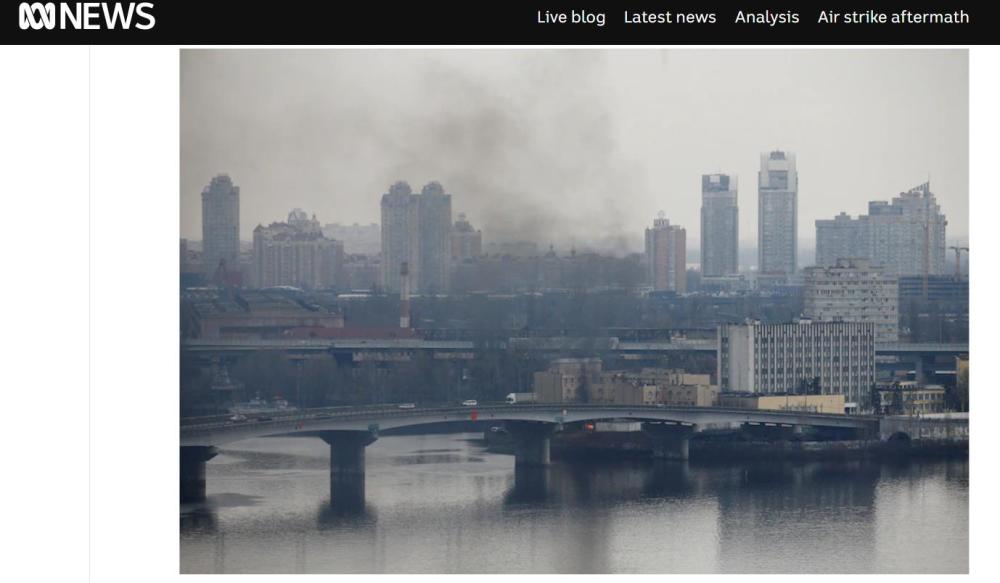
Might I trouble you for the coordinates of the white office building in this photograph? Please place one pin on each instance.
(832, 358)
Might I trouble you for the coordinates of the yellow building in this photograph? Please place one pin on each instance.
(567, 380)
(808, 403)
(700, 395)
(908, 398)
(654, 386)
(582, 380)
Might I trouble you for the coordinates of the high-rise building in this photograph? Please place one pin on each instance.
(720, 226)
(777, 214)
(829, 358)
(838, 238)
(416, 229)
(435, 240)
(400, 235)
(853, 291)
(466, 242)
(666, 256)
(220, 226)
(295, 253)
(357, 239)
(905, 236)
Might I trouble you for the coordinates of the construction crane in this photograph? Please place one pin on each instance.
(958, 259)
(927, 252)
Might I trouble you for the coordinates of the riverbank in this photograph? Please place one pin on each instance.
(735, 446)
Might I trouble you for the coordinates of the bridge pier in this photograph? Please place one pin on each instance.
(670, 441)
(347, 466)
(193, 458)
(531, 442)
(531, 484)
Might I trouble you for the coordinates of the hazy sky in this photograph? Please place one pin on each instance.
(570, 146)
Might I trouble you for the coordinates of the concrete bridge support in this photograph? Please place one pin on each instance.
(193, 458)
(670, 441)
(347, 466)
(531, 484)
(531, 442)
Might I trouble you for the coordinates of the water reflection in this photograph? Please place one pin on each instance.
(531, 486)
(341, 513)
(203, 516)
(591, 484)
(201, 520)
(453, 507)
(818, 517)
(670, 479)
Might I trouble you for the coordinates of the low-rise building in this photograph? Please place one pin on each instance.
(911, 398)
(255, 314)
(701, 395)
(621, 388)
(582, 380)
(567, 380)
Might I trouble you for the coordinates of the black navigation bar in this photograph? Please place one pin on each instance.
(239, 22)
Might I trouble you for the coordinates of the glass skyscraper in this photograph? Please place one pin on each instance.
(720, 226)
(777, 214)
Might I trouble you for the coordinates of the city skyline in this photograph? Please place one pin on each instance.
(461, 125)
(747, 251)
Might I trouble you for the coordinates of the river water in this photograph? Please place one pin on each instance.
(442, 504)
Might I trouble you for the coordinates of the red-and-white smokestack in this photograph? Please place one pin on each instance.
(404, 296)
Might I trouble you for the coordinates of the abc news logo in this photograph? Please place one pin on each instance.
(85, 15)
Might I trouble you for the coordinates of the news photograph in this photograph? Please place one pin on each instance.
(572, 310)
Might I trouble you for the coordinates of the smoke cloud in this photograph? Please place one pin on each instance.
(574, 147)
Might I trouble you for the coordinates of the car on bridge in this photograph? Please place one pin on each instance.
(470, 403)
(408, 406)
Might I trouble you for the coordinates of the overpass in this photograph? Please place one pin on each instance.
(219, 346)
(349, 430)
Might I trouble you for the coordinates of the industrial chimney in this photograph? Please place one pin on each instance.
(404, 296)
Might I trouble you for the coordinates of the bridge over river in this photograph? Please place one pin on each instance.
(349, 430)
